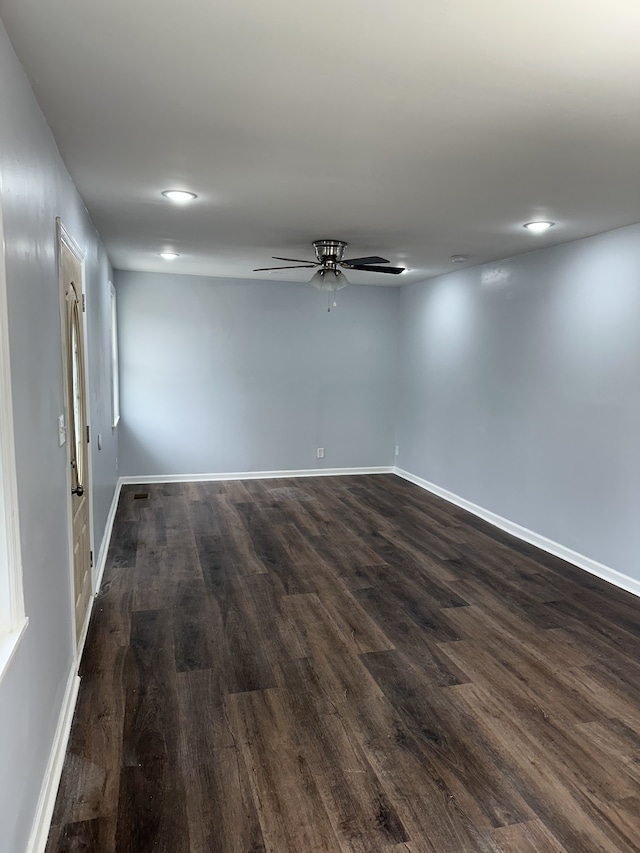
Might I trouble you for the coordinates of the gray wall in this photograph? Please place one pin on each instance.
(230, 375)
(520, 391)
(36, 188)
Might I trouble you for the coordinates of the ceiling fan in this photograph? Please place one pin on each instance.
(329, 256)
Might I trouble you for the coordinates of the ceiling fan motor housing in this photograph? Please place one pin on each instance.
(329, 252)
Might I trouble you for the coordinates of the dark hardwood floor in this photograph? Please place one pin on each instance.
(347, 664)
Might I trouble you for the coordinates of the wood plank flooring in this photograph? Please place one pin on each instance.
(347, 665)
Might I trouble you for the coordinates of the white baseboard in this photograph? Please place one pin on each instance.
(46, 802)
(599, 569)
(106, 539)
(252, 475)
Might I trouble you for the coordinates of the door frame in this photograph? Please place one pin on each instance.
(63, 236)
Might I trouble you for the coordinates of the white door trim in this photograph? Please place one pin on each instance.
(13, 619)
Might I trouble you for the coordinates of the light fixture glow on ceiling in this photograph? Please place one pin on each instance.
(169, 256)
(179, 196)
(539, 226)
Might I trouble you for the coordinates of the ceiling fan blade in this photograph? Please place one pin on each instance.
(390, 270)
(373, 259)
(296, 261)
(302, 267)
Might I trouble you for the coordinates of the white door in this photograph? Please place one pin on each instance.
(73, 319)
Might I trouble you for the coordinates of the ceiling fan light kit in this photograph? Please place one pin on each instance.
(329, 280)
(330, 256)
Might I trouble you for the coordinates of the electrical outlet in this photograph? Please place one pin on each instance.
(397, 450)
(320, 453)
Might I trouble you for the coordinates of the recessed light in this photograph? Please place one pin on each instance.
(169, 256)
(459, 259)
(539, 226)
(179, 196)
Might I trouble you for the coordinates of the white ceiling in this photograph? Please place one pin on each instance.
(413, 129)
